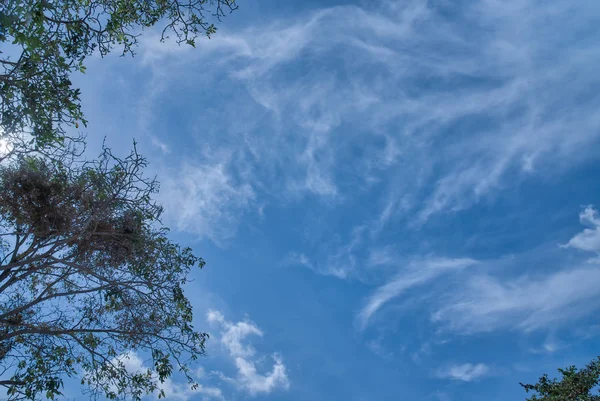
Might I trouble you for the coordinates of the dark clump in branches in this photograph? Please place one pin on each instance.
(87, 275)
(44, 41)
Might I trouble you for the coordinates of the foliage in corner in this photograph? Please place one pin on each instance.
(575, 385)
(44, 41)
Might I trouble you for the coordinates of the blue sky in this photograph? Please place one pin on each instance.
(396, 200)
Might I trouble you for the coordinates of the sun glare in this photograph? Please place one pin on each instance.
(5, 147)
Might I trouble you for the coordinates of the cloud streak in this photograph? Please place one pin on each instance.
(466, 372)
(485, 302)
(525, 303)
(417, 274)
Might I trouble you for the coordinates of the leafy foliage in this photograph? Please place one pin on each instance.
(50, 39)
(87, 275)
(575, 385)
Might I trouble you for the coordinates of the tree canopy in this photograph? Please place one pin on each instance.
(44, 41)
(575, 385)
(87, 274)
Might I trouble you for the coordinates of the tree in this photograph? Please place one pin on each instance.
(87, 274)
(44, 41)
(575, 385)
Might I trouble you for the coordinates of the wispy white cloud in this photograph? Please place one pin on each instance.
(378, 348)
(248, 378)
(160, 144)
(382, 256)
(205, 199)
(466, 372)
(341, 262)
(173, 390)
(445, 112)
(300, 259)
(233, 336)
(416, 274)
(483, 301)
(549, 346)
(258, 383)
(526, 303)
(589, 238)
